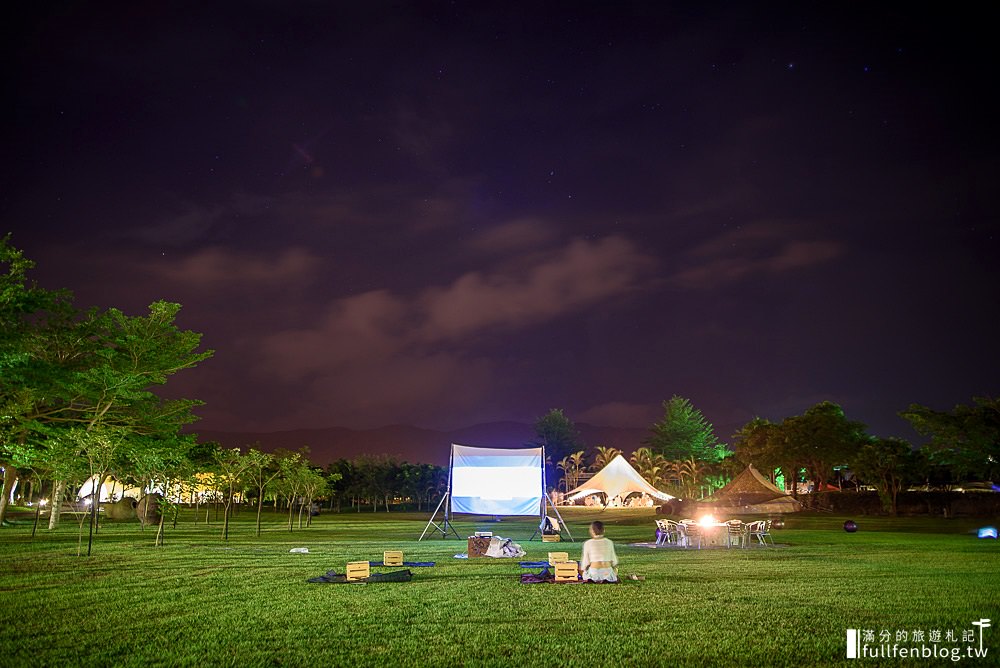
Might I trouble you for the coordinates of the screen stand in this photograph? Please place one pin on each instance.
(445, 525)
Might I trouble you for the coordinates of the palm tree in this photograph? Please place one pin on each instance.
(571, 466)
(690, 472)
(604, 456)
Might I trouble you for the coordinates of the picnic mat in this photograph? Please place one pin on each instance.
(548, 578)
(332, 577)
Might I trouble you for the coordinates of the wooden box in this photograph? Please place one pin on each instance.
(567, 571)
(558, 557)
(478, 546)
(358, 570)
(392, 557)
(551, 538)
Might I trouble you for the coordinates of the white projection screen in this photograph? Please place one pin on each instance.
(496, 481)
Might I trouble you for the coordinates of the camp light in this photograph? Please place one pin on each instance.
(707, 521)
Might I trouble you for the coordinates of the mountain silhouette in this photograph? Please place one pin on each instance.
(413, 444)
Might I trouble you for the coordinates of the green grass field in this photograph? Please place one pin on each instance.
(199, 601)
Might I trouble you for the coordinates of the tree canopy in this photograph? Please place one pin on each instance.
(684, 434)
(965, 439)
(78, 386)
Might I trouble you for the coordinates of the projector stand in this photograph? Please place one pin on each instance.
(445, 525)
(546, 504)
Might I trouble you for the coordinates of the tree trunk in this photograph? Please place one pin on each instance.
(260, 508)
(96, 504)
(290, 508)
(9, 481)
(56, 503)
(93, 513)
(159, 530)
(34, 527)
(225, 517)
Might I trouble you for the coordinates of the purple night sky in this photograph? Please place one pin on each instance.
(444, 213)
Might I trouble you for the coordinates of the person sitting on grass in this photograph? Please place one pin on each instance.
(599, 560)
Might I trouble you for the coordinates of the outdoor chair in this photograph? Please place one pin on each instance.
(736, 532)
(762, 532)
(662, 532)
(673, 533)
(692, 534)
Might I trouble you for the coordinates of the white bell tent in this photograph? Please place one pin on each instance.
(619, 479)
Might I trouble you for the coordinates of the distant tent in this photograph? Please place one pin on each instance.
(752, 493)
(111, 490)
(618, 478)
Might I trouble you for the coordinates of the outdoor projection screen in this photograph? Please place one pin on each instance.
(496, 481)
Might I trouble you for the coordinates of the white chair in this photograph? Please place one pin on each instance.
(761, 530)
(661, 532)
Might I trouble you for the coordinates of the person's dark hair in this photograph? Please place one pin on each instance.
(597, 526)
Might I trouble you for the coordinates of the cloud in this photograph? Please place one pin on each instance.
(753, 250)
(381, 352)
(621, 413)
(191, 222)
(564, 281)
(516, 235)
(213, 267)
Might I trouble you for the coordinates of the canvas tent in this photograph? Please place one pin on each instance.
(111, 490)
(752, 493)
(618, 478)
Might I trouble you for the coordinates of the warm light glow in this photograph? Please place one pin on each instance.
(42, 502)
(707, 520)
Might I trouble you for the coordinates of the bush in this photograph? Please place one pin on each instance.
(940, 504)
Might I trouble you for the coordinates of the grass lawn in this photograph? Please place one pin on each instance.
(199, 601)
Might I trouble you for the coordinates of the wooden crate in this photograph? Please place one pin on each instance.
(567, 571)
(551, 538)
(358, 570)
(558, 557)
(392, 557)
(478, 546)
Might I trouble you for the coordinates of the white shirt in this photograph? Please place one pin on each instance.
(598, 549)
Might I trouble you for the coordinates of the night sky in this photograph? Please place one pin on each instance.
(447, 213)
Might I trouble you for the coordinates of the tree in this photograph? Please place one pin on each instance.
(572, 466)
(313, 484)
(558, 435)
(684, 433)
(605, 455)
(652, 466)
(380, 478)
(887, 464)
(261, 470)
(291, 480)
(759, 442)
(231, 469)
(31, 320)
(822, 438)
(78, 384)
(966, 439)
